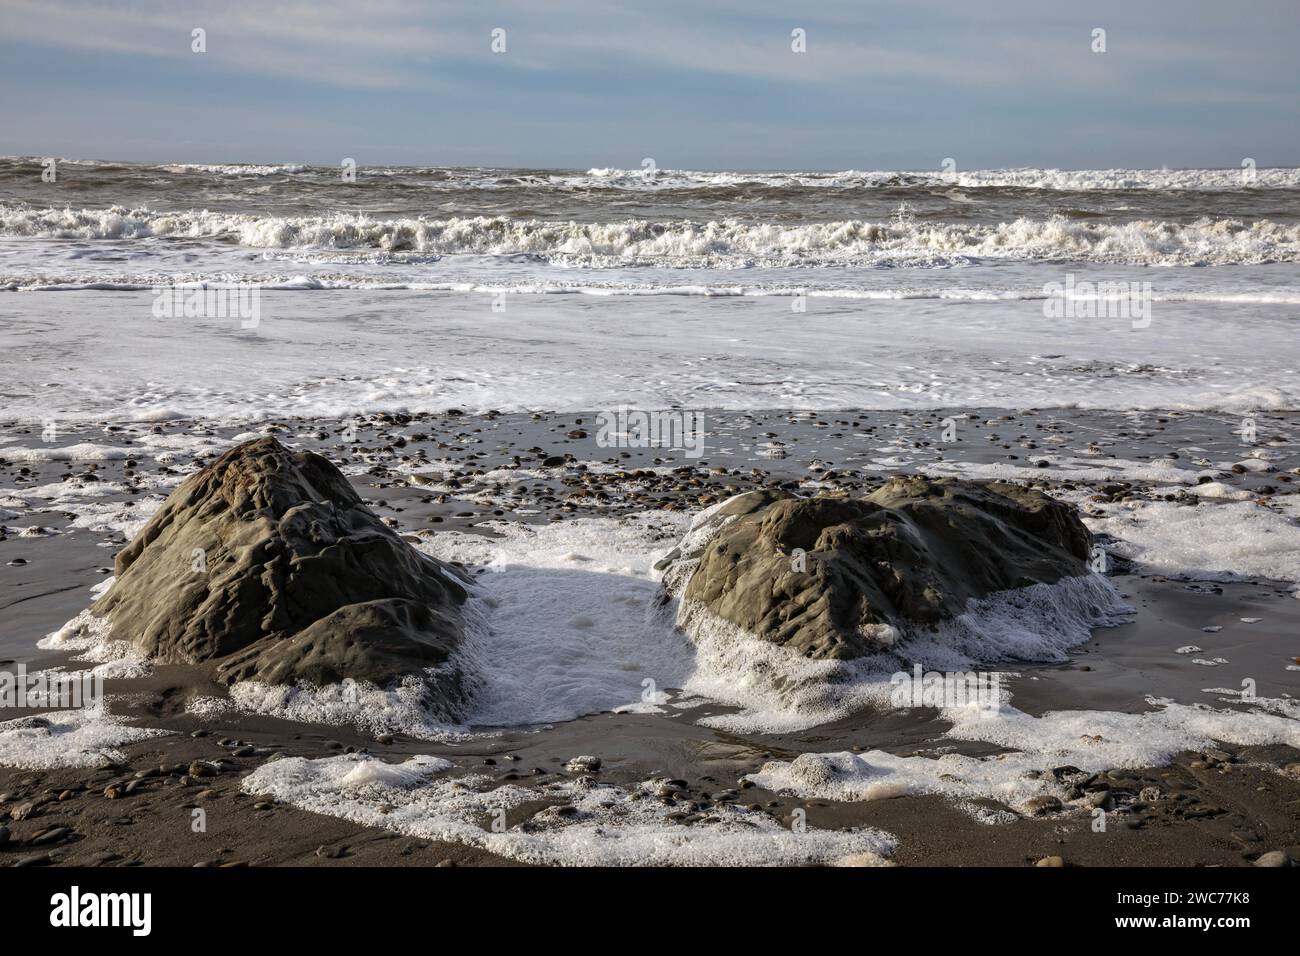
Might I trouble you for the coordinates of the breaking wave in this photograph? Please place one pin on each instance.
(639, 179)
(725, 243)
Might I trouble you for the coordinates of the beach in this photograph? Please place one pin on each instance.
(564, 517)
(562, 536)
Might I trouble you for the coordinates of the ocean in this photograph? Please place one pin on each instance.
(453, 341)
(426, 288)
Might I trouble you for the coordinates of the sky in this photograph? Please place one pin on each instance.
(881, 84)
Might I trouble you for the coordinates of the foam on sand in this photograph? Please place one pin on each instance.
(89, 638)
(1090, 740)
(1207, 539)
(405, 708)
(568, 621)
(87, 737)
(607, 825)
(780, 691)
(572, 624)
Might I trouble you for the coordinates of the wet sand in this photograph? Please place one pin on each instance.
(1233, 806)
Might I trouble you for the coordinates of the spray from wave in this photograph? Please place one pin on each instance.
(725, 243)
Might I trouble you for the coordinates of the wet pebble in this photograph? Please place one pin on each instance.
(1041, 806)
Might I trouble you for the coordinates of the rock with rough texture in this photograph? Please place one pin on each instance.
(835, 577)
(267, 564)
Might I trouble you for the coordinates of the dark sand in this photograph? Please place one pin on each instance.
(1217, 811)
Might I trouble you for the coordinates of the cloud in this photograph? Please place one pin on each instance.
(401, 44)
(586, 77)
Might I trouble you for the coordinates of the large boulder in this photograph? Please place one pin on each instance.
(840, 578)
(268, 565)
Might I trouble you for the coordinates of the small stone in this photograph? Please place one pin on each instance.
(25, 810)
(1101, 799)
(1050, 861)
(583, 764)
(52, 835)
(1275, 858)
(1040, 806)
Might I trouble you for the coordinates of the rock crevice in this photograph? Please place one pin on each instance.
(268, 565)
(837, 577)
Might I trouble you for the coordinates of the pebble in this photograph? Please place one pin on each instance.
(583, 764)
(25, 810)
(1275, 858)
(1050, 861)
(52, 835)
(1101, 799)
(1040, 806)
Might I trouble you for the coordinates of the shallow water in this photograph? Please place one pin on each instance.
(421, 288)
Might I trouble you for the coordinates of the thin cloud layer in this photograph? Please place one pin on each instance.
(694, 81)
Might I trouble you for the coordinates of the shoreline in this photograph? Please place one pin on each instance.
(430, 474)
